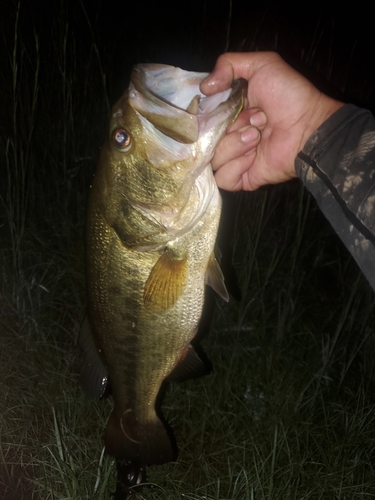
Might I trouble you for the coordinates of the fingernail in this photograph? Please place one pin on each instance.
(208, 81)
(249, 134)
(258, 119)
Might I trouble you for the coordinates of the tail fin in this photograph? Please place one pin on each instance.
(128, 439)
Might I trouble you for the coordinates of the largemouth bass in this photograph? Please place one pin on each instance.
(153, 215)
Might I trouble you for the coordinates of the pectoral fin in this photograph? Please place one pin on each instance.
(215, 278)
(94, 375)
(165, 284)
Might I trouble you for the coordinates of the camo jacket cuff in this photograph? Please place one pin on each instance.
(337, 165)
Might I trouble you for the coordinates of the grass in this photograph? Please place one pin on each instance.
(288, 412)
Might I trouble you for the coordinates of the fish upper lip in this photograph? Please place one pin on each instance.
(140, 83)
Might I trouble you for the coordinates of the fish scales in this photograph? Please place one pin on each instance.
(153, 216)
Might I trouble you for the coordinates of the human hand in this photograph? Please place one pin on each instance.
(284, 110)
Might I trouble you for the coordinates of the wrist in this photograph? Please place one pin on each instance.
(325, 108)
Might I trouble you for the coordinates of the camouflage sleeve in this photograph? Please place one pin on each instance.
(337, 165)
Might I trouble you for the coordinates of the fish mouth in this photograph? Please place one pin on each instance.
(170, 99)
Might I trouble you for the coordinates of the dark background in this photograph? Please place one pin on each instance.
(333, 46)
(307, 316)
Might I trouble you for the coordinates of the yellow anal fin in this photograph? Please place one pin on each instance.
(215, 278)
(165, 284)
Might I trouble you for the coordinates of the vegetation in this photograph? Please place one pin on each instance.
(288, 411)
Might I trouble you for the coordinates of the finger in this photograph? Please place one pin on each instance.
(234, 145)
(231, 176)
(234, 65)
(220, 79)
(251, 116)
(258, 118)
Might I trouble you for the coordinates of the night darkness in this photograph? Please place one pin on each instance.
(72, 62)
(333, 47)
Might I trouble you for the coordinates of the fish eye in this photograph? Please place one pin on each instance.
(121, 139)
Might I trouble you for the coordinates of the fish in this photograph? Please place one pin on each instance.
(152, 221)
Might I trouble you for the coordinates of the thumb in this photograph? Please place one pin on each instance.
(233, 65)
